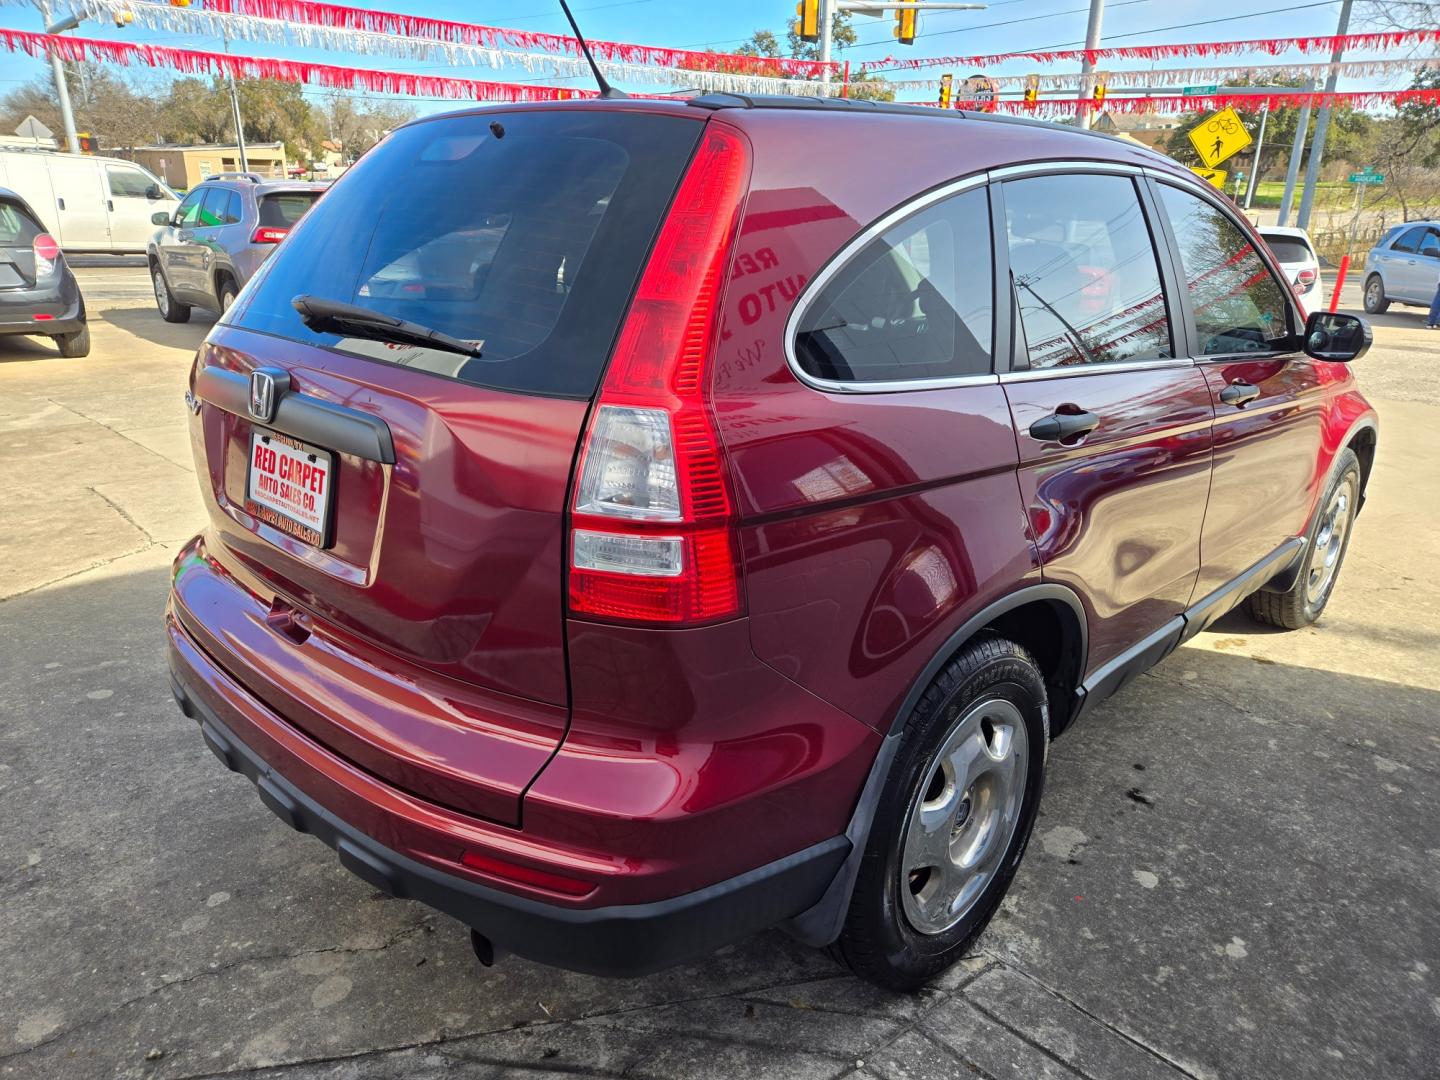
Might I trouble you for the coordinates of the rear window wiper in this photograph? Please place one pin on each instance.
(320, 314)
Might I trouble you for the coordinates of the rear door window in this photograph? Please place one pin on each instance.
(1239, 305)
(524, 230)
(913, 304)
(283, 210)
(1087, 282)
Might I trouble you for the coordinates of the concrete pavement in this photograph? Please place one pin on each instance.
(1234, 875)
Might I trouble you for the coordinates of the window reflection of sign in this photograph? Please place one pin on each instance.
(440, 361)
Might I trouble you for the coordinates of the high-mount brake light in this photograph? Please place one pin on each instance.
(652, 528)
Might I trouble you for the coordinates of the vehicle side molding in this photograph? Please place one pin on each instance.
(323, 423)
(821, 924)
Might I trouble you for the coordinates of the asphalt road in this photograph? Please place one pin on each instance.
(1235, 873)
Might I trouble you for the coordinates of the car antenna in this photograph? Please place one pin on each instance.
(606, 90)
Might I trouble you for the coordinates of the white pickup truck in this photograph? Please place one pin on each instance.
(89, 204)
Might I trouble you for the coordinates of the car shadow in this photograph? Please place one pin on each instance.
(145, 322)
(19, 349)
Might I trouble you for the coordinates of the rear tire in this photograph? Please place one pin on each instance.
(1303, 602)
(75, 344)
(171, 310)
(953, 817)
(1375, 301)
(228, 292)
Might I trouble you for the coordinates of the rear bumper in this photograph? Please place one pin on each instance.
(625, 940)
(18, 308)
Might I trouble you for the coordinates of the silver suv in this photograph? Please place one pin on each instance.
(1404, 267)
(219, 235)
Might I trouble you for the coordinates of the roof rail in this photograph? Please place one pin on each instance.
(725, 100)
(254, 178)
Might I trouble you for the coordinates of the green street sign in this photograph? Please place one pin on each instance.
(1200, 91)
(1366, 178)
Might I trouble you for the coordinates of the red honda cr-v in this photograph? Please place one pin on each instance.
(636, 524)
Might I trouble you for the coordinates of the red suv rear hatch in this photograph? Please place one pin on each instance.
(399, 520)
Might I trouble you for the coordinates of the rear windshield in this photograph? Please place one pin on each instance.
(17, 228)
(282, 211)
(1288, 249)
(524, 231)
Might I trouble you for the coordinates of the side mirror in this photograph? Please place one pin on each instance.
(160, 217)
(154, 192)
(1332, 336)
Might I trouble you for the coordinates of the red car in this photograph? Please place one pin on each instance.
(637, 524)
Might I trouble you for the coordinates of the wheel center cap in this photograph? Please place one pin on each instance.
(962, 815)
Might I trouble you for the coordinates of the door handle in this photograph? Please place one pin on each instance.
(110, 205)
(1064, 426)
(1239, 394)
(60, 203)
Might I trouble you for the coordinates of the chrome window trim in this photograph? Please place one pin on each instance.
(842, 259)
(1071, 370)
(1010, 172)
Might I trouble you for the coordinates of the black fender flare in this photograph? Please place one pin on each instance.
(821, 924)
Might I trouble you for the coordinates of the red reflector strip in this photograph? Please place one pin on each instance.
(42, 318)
(526, 875)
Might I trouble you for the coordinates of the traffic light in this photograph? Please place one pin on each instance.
(807, 13)
(1032, 90)
(905, 18)
(1102, 81)
(88, 143)
(945, 81)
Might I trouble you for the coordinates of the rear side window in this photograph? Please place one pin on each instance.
(283, 211)
(914, 303)
(1289, 249)
(1239, 306)
(1409, 241)
(17, 228)
(523, 230)
(1087, 283)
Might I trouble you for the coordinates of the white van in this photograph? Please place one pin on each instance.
(88, 203)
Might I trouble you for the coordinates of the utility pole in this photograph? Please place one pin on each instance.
(1297, 151)
(62, 91)
(1255, 165)
(235, 113)
(1322, 123)
(1092, 41)
(826, 15)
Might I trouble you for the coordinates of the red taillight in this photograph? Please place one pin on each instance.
(526, 875)
(267, 234)
(46, 252)
(1306, 277)
(652, 537)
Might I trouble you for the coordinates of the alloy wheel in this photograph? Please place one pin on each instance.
(1330, 541)
(162, 294)
(963, 815)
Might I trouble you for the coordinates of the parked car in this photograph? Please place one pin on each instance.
(38, 293)
(640, 533)
(215, 240)
(1404, 267)
(89, 204)
(1296, 254)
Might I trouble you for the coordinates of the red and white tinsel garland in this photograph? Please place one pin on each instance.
(1395, 39)
(1263, 73)
(1048, 108)
(211, 22)
(339, 16)
(195, 62)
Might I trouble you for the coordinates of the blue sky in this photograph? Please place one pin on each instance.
(1007, 25)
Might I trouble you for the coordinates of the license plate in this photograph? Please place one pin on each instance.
(289, 486)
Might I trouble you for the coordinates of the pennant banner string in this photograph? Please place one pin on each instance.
(195, 62)
(1389, 40)
(352, 18)
(1202, 75)
(1064, 107)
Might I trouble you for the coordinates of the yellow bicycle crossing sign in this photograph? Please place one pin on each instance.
(1218, 137)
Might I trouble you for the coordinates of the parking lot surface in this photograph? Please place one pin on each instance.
(1235, 872)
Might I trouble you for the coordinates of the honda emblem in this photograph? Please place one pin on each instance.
(262, 396)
